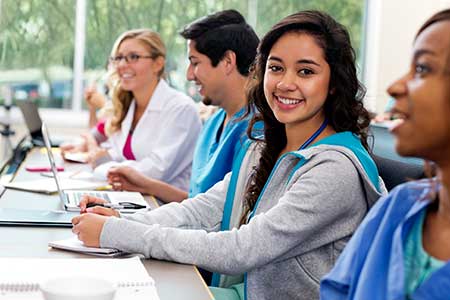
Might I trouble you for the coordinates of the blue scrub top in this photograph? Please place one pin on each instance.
(371, 267)
(215, 152)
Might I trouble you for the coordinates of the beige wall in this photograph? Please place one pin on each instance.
(392, 25)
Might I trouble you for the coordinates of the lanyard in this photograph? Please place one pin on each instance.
(305, 144)
(314, 135)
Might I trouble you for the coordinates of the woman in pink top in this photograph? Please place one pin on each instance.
(153, 128)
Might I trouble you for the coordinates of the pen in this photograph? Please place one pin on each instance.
(121, 205)
(108, 205)
(42, 169)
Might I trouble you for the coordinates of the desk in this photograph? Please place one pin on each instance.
(173, 281)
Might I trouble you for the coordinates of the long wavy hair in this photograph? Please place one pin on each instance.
(121, 99)
(343, 107)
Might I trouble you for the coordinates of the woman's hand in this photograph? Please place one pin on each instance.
(94, 99)
(129, 179)
(88, 144)
(95, 154)
(88, 228)
(99, 210)
(73, 148)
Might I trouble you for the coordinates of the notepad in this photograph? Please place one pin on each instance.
(74, 244)
(48, 185)
(24, 275)
(79, 157)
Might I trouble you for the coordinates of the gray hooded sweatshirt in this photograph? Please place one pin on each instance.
(312, 203)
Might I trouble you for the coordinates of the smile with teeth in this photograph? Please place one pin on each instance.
(126, 75)
(398, 119)
(199, 87)
(288, 101)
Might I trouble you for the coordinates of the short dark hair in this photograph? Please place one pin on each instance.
(443, 15)
(222, 31)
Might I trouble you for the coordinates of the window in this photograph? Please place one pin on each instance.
(37, 37)
(36, 51)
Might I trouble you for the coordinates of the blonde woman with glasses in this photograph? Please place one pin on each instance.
(153, 127)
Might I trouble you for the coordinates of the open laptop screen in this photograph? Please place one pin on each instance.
(51, 159)
(131, 201)
(32, 118)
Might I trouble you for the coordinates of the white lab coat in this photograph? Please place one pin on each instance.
(164, 139)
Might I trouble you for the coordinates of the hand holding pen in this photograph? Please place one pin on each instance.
(120, 205)
(96, 205)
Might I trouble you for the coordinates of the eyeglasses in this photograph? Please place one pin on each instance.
(131, 58)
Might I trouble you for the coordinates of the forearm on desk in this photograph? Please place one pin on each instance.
(164, 191)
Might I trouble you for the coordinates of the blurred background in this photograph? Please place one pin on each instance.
(50, 50)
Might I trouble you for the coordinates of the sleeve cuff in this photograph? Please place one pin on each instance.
(124, 235)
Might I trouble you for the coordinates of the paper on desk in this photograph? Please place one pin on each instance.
(74, 244)
(48, 185)
(79, 157)
(78, 175)
(24, 274)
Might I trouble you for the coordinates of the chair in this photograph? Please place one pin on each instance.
(395, 172)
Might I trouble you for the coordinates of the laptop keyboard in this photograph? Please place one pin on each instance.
(76, 197)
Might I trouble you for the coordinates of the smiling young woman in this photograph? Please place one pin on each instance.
(153, 128)
(272, 236)
(402, 248)
(297, 86)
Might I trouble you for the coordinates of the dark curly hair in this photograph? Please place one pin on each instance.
(343, 108)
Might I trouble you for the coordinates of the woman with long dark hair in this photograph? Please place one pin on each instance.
(402, 249)
(275, 225)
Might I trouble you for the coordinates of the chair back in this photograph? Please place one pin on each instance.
(395, 172)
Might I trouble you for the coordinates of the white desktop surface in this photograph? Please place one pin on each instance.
(173, 281)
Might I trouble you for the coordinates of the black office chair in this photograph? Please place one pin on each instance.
(395, 172)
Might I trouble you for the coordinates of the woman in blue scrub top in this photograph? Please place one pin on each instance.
(402, 249)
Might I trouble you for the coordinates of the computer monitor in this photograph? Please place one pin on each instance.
(33, 121)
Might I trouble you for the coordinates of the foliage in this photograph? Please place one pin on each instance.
(40, 33)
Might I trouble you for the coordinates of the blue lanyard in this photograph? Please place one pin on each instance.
(305, 144)
(315, 134)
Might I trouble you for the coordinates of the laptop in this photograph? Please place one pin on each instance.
(33, 121)
(70, 199)
(31, 217)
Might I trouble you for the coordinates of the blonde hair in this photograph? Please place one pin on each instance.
(121, 99)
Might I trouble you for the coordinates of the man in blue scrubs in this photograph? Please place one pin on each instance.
(221, 48)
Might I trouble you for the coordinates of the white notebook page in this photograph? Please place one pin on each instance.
(25, 273)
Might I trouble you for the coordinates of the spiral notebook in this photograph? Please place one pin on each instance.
(75, 245)
(24, 275)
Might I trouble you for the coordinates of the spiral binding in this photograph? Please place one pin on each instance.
(18, 287)
(134, 284)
